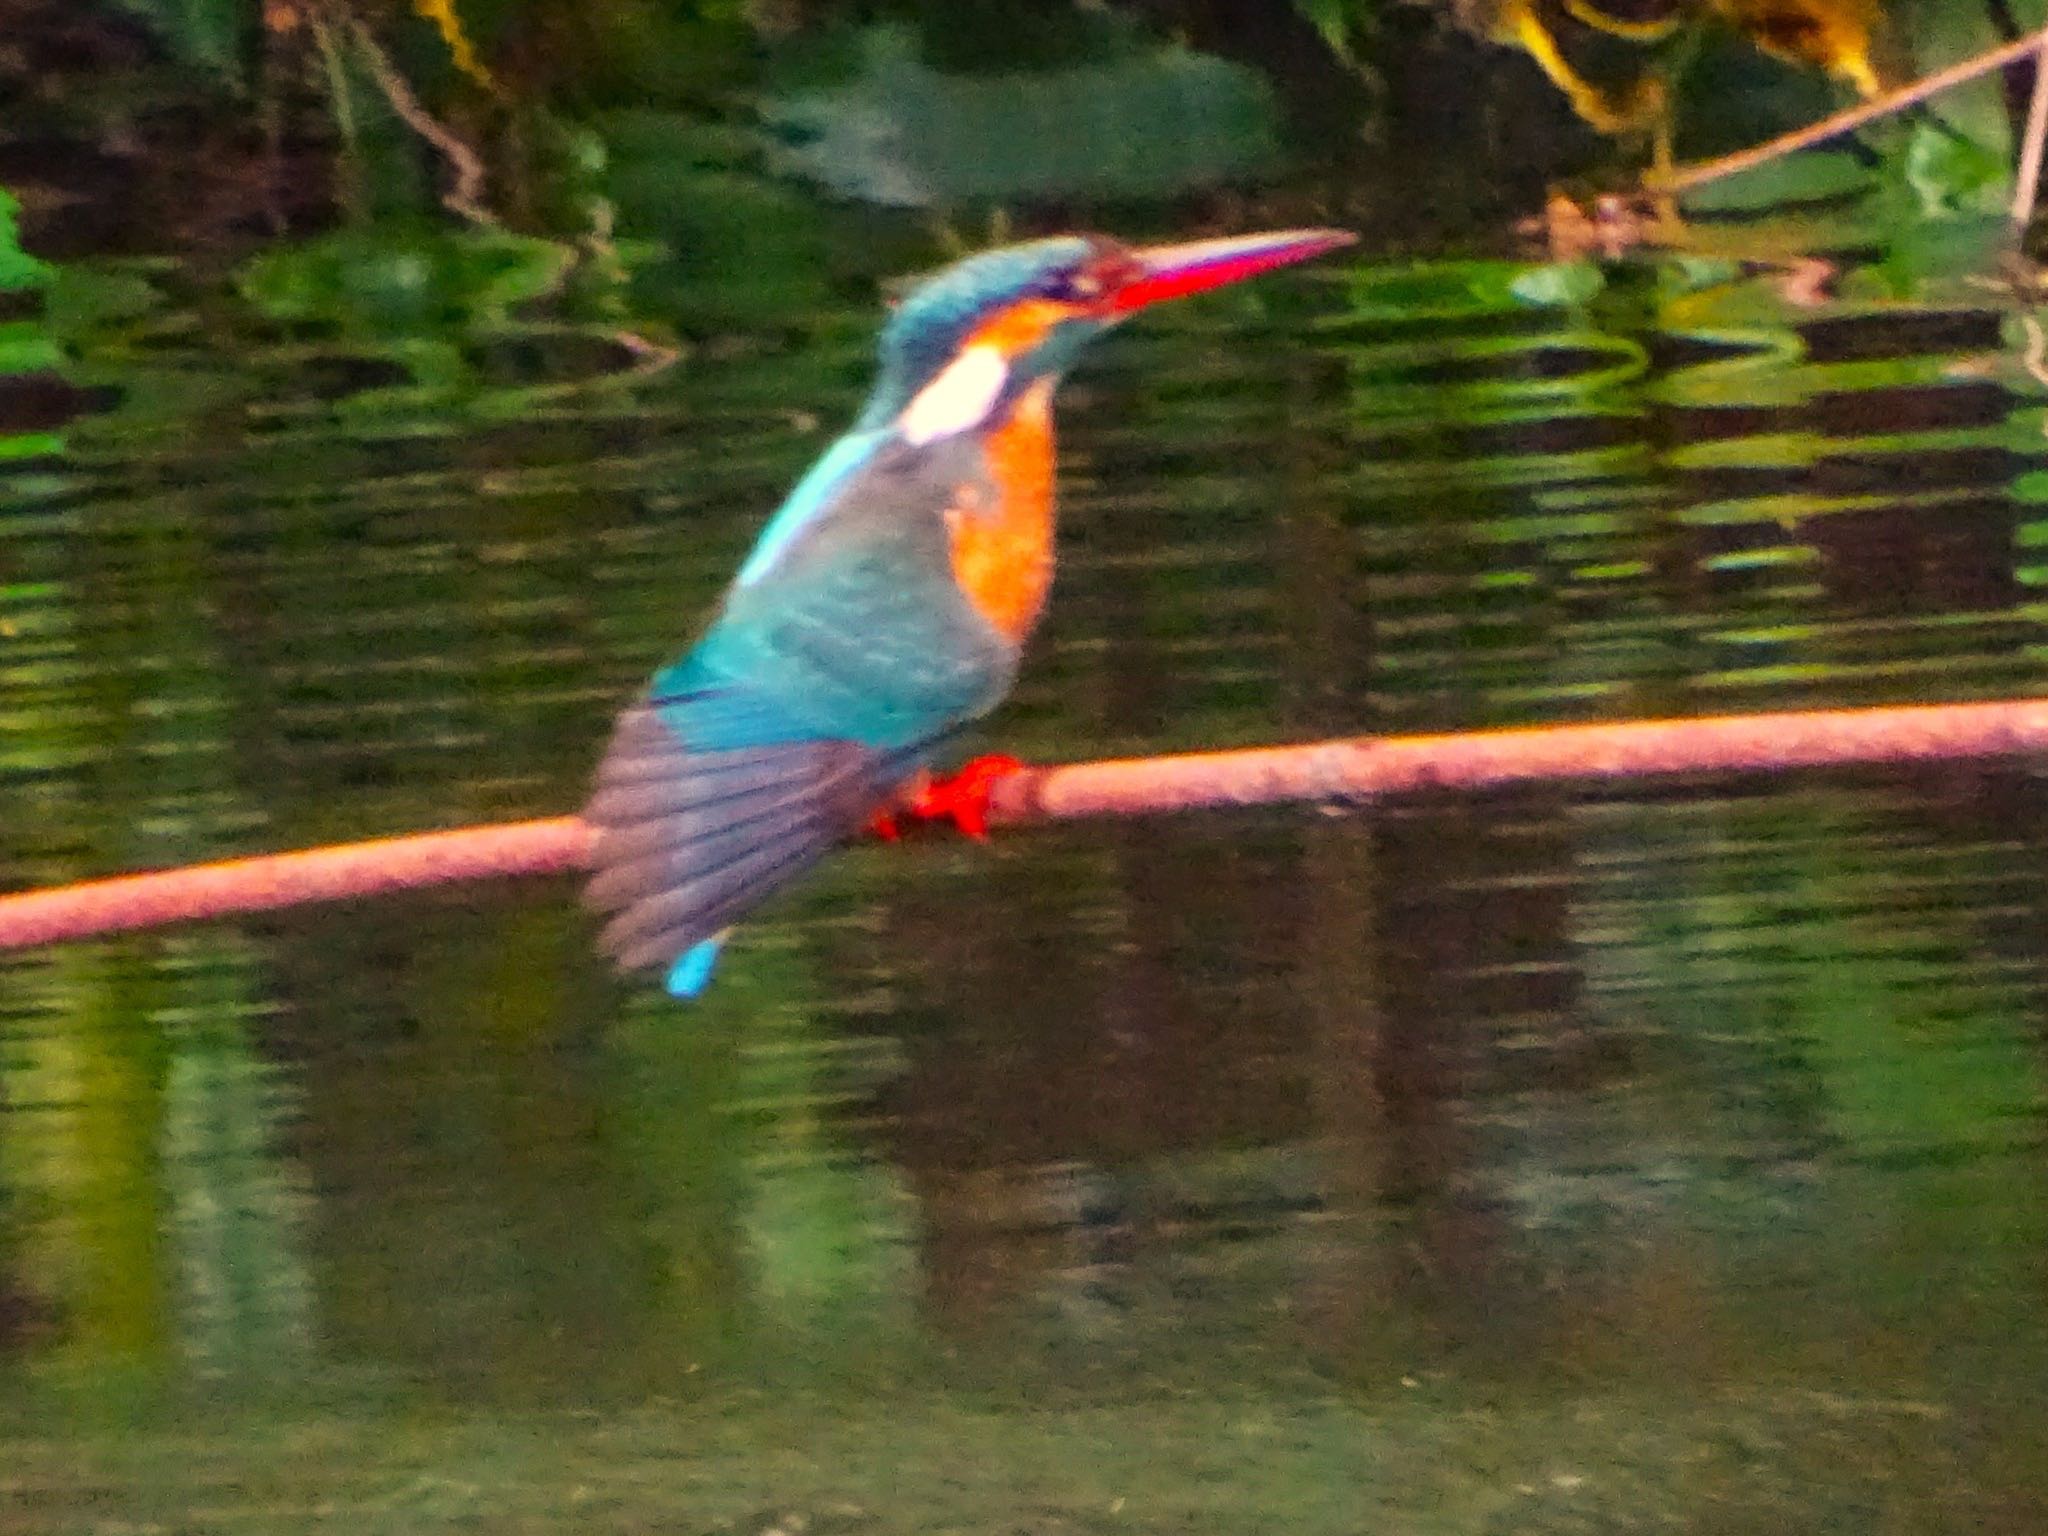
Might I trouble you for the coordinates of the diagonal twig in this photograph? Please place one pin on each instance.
(1686, 178)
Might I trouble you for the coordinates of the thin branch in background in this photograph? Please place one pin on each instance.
(1345, 772)
(465, 197)
(1688, 178)
(2034, 356)
(649, 356)
(341, 106)
(278, 19)
(2028, 185)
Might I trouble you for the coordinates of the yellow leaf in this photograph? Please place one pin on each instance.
(460, 51)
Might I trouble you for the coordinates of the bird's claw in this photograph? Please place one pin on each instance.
(961, 797)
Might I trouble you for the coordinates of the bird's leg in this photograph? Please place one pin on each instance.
(961, 797)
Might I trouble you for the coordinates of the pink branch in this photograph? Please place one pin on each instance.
(1354, 770)
(267, 881)
(1366, 767)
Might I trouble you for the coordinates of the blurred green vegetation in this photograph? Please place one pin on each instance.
(677, 120)
(18, 269)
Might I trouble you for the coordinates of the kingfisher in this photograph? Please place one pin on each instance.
(884, 606)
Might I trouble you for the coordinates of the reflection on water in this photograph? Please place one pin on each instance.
(1713, 1107)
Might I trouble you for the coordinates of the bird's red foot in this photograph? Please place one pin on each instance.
(961, 797)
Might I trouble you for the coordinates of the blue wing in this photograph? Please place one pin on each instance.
(851, 623)
(689, 839)
(844, 655)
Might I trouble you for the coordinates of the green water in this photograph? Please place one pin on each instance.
(1556, 1161)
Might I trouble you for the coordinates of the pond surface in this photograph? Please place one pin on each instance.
(1553, 1161)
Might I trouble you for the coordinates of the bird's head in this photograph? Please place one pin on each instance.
(985, 329)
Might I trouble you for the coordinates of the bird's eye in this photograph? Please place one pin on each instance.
(1078, 287)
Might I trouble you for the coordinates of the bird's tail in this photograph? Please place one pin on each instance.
(689, 840)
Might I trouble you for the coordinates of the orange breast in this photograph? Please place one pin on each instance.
(1002, 553)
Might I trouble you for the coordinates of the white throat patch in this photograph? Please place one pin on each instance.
(962, 395)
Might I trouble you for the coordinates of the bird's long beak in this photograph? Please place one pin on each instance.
(1170, 271)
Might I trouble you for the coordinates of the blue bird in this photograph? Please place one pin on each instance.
(884, 606)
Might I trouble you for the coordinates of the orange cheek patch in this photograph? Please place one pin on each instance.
(1002, 554)
(1021, 327)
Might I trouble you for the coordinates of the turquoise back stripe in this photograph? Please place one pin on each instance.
(812, 494)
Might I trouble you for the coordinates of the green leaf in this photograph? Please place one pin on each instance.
(1933, 258)
(1941, 33)
(26, 347)
(402, 277)
(1806, 177)
(206, 33)
(30, 445)
(1143, 124)
(1951, 173)
(1443, 290)
(18, 269)
(1336, 22)
(1559, 285)
(1686, 273)
(86, 299)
